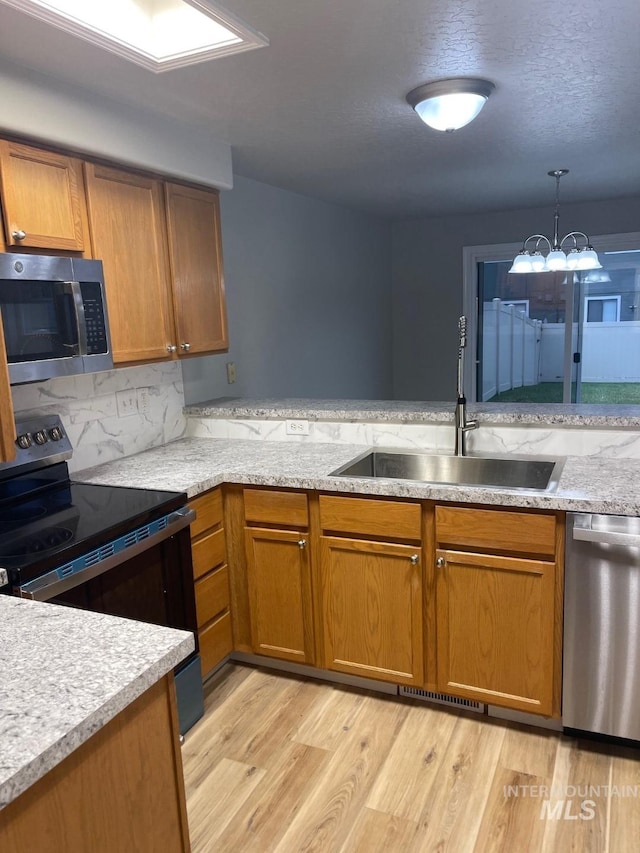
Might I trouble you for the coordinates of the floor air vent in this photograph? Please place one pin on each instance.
(442, 699)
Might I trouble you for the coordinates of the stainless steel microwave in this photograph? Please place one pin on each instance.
(54, 314)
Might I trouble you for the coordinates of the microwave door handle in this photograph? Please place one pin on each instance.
(73, 288)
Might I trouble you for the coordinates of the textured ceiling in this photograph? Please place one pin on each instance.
(322, 110)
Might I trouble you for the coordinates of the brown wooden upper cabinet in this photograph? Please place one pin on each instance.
(126, 221)
(195, 252)
(42, 199)
(163, 273)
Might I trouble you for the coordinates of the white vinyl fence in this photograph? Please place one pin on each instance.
(610, 352)
(518, 351)
(511, 348)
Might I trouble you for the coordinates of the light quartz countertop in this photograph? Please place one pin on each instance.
(65, 674)
(194, 465)
(410, 412)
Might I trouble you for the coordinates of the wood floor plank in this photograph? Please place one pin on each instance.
(262, 821)
(624, 832)
(531, 751)
(327, 817)
(403, 787)
(511, 823)
(217, 799)
(577, 765)
(451, 820)
(332, 718)
(376, 832)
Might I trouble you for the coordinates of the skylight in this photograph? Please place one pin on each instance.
(158, 34)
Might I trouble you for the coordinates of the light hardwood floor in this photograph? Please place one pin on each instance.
(280, 763)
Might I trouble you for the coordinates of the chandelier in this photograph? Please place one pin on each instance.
(578, 257)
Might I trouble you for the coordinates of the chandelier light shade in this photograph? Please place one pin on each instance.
(576, 259)
(448, 105)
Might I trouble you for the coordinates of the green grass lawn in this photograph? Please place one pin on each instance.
(592, 392)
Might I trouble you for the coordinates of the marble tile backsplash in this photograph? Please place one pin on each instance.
(496, 438)
(112, 414)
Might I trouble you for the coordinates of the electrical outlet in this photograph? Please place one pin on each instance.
(127, 402)
(231, 372)
(297, 427)
(144, 400)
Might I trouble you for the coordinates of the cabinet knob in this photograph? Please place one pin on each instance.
(414, 559)
(441, 562)
(302, 543)
(19, 234)
(186, 347)
(171, 347)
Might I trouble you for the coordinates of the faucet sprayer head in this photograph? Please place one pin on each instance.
(462, 330)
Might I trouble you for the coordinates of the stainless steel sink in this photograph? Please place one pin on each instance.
(513, 472)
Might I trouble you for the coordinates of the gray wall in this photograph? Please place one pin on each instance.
(427, 281)
(308, 298)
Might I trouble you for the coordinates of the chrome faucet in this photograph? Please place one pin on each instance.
(463, 426)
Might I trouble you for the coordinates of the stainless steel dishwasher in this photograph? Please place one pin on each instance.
(601, 677)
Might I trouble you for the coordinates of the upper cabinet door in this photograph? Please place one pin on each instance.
(126, 222)
(193, 218)
(42, 198)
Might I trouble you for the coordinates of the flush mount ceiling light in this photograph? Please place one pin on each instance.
(576, 259)
(158, 34)
(450, 104)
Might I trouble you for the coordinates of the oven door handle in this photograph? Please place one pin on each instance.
(51, 584)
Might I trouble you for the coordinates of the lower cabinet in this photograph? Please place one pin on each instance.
(279, 574)
(280, 594)
(211, 577)
(499, 616)
(370, 588)
(371, 594)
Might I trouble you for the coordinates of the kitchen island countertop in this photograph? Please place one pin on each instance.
(65, 674)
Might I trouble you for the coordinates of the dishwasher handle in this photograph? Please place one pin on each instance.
(583, 531)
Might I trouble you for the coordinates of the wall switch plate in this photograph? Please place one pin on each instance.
(297, 427)
(127, 402)
(231, 372)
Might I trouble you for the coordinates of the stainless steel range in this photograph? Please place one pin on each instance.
(116, 550)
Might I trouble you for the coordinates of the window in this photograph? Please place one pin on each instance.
(554, 337)
(602, 309)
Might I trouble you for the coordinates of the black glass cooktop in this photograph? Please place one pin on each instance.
(55, 522)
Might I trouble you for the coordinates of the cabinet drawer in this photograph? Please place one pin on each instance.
(208, 553)
(215, 642)
(367, 517)
(208, 508)
(270, 507)
(521, 532)
(212, 595)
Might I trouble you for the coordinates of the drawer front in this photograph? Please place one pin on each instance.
(208, 508)
(521, 532)
(215, 643)
(392, 519)
(271, 507)
(208, 552)
(212, 595)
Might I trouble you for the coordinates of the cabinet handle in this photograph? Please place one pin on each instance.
(186, 347)
(441, 562)
(302, 543)
(19, 234)
(414, 559)
(171, 347)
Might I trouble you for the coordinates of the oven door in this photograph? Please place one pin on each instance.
(150, 580)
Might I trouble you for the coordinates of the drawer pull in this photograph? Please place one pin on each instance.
(441, 562)
(302, 543)
(414, 559)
